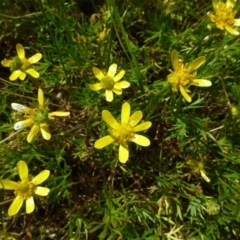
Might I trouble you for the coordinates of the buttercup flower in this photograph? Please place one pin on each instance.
(25, 189)
(37, 118)
(20, 65)
(109, 81)
(183, 75)
(124, 132)
(224, 17)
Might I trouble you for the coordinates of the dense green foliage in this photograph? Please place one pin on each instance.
(160, 193)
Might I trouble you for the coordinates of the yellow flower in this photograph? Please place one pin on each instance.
(20, 65)
(124, 132)
(37, 118)
(25, 189)
(183, 75)
(198, 168)
(109, 81)
(224, 17)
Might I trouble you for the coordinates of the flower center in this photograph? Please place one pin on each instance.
(107, 82)
(224, 15)
(16, 64)
(123, 133)
(25, 64)
(41, 115)
(25, 189)
(184, 77)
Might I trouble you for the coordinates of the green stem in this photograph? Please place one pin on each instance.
(54, 40)
(125, 37)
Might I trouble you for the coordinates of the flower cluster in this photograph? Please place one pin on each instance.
(120, 133)
(37, 119)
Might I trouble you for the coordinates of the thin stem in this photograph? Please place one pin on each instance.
(53, 38)
(4, 140)
(7, 201)
(5, 81)
(17, 17)
(19, 95)
(225, 92)
(127, 41)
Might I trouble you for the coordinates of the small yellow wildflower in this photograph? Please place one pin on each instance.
(224, 17)
(20, 65)
(37, 118)
(25, 189)
(124, 132)
(109, 81)
(183, 75)
(198, 168)
(235, 111)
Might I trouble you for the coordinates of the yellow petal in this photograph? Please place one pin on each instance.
(211, 16)
(109, 95)
(175, 86)
(33, 132)
(117, 91)
(135, 118)
(112, 70)
(123, 153)
(215, 4)
(33, 72)
(109, 119)
(230, 4)
(40, 98)
(103, 142)
(201, 82)
(231, 30)
(22, 75)
(58, 114)
(17, 74)
(97, 73)
(6, 63)
(42, 191)
(30, 205)
(220, 26)
(171, 78)
(41, 177)
(141, 140)
(23, 124)
(22, 170)
(22, 109)
(7, 184)
(15, 206)
(204, 176)
(35, 58)
(184, 94)
(174, 59)
(119, 76)
(125, 113)
(95, 87)
(20, 51)
(122, 84)
(143, 126)
(237, 22)
(45, 131)
(196, 63)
